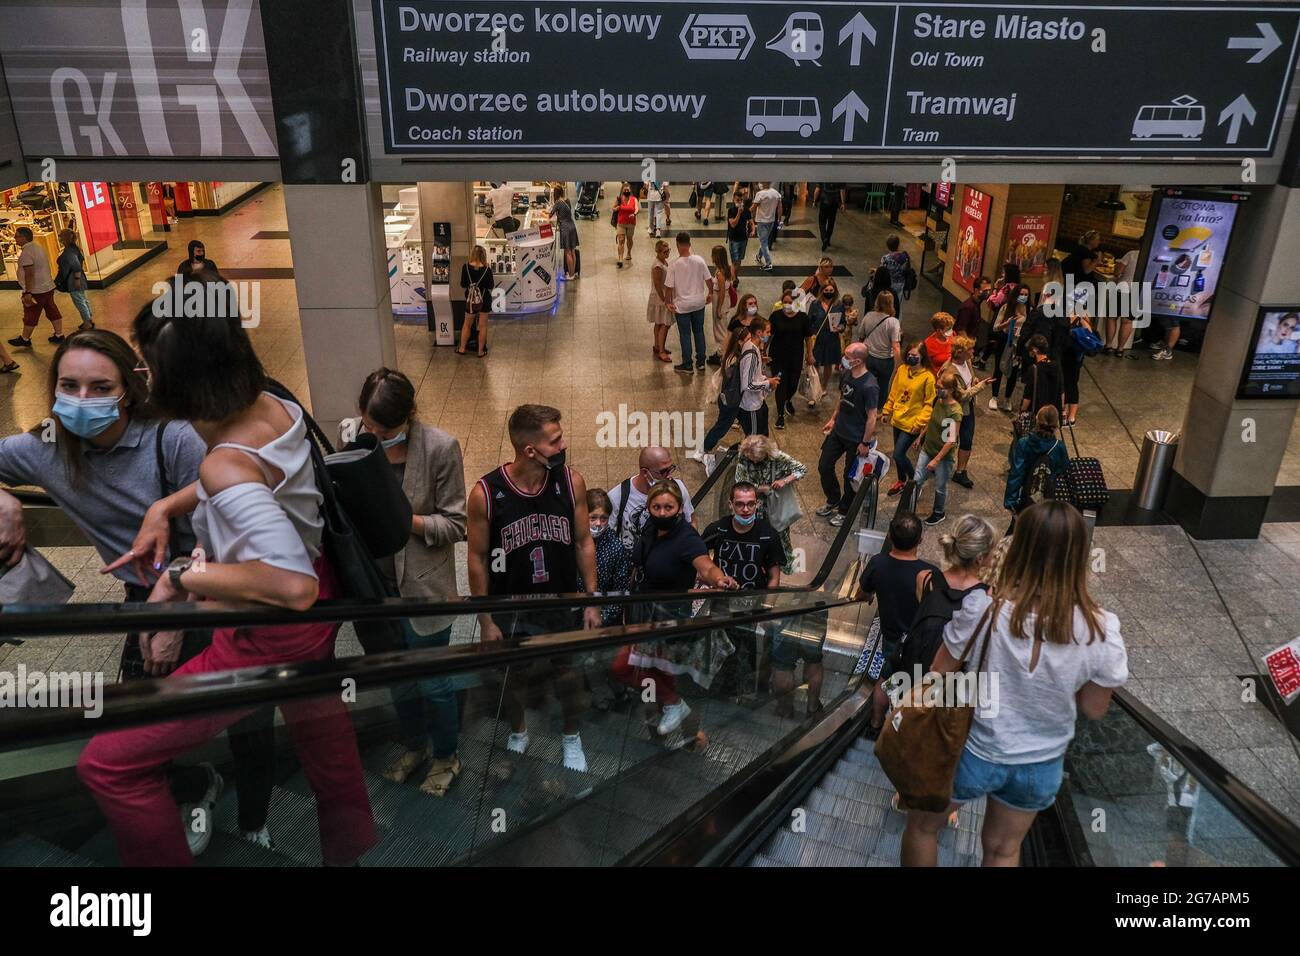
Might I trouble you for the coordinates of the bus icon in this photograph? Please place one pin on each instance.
(1181, 118)
(782, 114)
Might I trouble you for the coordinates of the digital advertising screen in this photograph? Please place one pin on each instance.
(1272, 368)
(1189, 234)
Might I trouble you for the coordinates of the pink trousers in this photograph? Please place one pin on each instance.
(125, 769)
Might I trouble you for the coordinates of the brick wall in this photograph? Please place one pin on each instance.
(1083, 214)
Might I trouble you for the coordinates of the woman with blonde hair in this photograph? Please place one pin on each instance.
(882, 334)
(764, 465)
(656, 310)
(1055, 652)
(476, 280)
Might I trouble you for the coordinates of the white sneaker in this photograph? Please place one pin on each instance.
(574, 757)
(260, 838)
(710, 463)
(697, 455)
(198, 817)
(1164, 355)
(518, 743)
(993, 404)
(673, 716)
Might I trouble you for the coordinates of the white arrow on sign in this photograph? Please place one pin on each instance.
(1236, 111)
(1263, 45)
(856, 29)
(851, 107)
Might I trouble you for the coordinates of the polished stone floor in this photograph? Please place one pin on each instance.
(1196, 616)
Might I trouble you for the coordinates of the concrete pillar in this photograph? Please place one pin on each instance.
(1231, 449)
(451, 202)
(337, 238)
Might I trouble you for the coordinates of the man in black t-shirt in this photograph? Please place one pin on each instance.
(1043, 382)
(740, 218)
(828, 197)
(850, 431)
(746, 548)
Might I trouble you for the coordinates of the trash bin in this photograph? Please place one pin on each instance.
(1158, 450)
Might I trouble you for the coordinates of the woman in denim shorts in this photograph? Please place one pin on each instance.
(1051, 652)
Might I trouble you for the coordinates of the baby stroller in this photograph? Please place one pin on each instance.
(588, 193)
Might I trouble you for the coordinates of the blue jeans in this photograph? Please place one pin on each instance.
(82, 303)
(737, 248)
(427, 708)
(764, 236)
(1021, 786)
(883, 369)
(902, 442)
(688, 324)
(942, 472)
(726, 417)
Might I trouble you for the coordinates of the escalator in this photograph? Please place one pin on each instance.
(749, 779)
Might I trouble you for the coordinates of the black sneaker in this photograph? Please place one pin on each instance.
(963, 479)
(684, 367)
(780, 423)
(789, 407)
(20, 343)
(699, 366)
(980, 364)
(715, 359)
(935, 518)
(56, 339)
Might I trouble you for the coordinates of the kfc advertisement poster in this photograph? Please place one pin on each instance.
(966, 246)
(1027, 238)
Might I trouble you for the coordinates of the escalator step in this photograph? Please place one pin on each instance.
(799, 850)
(842, 808)
(857, 790)
(871, 773)
(228, 849)
(28, 850)
(762, 859)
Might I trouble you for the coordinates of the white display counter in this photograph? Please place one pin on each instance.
(405, 255)
(526, 264)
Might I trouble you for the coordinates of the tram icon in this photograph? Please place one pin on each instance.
(801, 38)
(1180, 118)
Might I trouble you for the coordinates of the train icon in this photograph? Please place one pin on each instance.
(801, 38)
(1180, 118)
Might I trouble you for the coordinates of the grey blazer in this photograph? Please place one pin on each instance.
(434, 482)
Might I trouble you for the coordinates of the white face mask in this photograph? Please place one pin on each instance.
(788, 308)
(752, 310)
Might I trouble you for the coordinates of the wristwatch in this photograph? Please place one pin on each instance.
(178, 567)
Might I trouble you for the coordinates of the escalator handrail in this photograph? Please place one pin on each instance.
(1269, 825)
(35, 621)
(147, 701)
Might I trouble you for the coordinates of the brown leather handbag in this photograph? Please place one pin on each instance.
(920, 744)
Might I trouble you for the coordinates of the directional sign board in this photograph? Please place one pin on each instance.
(514, 78)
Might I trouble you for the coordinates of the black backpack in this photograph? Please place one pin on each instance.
(1040, 483)
(925, 636)
(729, 393)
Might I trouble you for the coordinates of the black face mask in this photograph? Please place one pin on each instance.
(555, 461)
(666, 522)
(912, 359)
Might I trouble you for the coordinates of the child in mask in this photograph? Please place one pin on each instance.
(613, 572)
(939, 447)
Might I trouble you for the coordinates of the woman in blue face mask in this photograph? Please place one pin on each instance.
(428, 465)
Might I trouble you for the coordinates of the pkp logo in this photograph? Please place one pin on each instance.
(717, 36)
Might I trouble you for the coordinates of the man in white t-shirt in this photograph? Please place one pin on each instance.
(767, 209)
(627, 520)
(502, 198)
(687, 288)
(37, 283)
(1127, 272)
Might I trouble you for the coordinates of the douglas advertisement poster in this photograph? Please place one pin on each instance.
(967, 245)
(1189, 241)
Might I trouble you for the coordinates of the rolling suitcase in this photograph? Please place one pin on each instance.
(1085, 485)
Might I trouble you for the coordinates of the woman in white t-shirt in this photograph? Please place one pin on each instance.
(1051, 652)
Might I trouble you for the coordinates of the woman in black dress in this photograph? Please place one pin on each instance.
(789, 349)
(476, 280)
(562, 213)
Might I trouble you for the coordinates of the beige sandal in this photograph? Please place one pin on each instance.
(441, 775)
(410, 761)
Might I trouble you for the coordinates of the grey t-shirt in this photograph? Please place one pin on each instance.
(1030, 715)
(118, 484)
(879, 333)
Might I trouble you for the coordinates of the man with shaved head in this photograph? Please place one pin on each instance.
(850, 432)
(629, 513)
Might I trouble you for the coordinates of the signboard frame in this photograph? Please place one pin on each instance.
(1292, 391)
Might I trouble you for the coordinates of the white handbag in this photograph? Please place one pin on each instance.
(783, 508)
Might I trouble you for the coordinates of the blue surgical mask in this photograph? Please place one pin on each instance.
(596, 529)
(745, 520)
(87, 417)
(845, 361)
(395, 440)
(1022, 299)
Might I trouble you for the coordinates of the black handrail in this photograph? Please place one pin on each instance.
(1277, 832)
(27, 621)
(146, 701)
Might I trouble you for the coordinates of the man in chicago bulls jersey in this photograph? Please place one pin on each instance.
(528, 534)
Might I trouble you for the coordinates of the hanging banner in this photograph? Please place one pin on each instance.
(966, 245)
(1027, 243)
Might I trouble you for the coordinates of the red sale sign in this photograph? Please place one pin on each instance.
(966, 245)
(1027, 237)
(98, 222)
(1284, 668)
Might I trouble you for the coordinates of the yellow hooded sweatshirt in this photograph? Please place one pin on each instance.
(911, 399)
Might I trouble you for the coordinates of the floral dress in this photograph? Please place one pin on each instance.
(764, 473)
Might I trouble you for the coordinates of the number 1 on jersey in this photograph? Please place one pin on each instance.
(538, 557)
